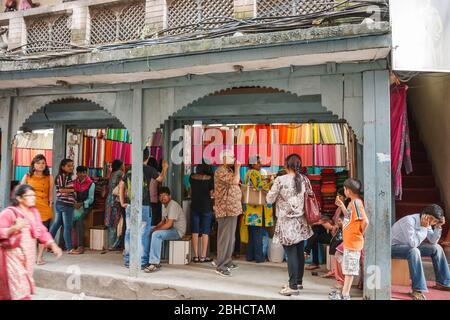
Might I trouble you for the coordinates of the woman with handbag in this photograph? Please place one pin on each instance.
(256, 216)
(20, 227)
(112, 206)
(292, 228)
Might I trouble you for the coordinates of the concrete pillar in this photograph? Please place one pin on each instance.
(80, 25)
(377, 185)
(6, 107)
(59, 146)
(167, 150)
(244, 9)
(17, 33)
(155, 14)
(136, 186)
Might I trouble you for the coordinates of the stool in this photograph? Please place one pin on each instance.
(179, 251)
(400, 272)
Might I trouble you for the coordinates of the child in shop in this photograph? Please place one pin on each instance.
(353, 229)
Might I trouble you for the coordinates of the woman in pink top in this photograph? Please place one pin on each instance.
(27, 4)
(20, 228)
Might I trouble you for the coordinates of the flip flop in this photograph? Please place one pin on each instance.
(312, 267)
(41, 263)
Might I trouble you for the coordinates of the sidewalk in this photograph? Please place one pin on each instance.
(103, 276)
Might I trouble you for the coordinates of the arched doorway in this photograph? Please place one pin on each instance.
(79, 129)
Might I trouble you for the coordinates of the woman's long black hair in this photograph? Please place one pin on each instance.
(116, 165)
(19, 191)
(61, 165)
(38, 158)
(294, 162)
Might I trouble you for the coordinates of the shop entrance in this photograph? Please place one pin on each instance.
(85, 132)
(272, 124)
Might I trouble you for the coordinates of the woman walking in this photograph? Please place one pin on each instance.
(20, 227)
(113, 210)
(202, 185)
(291, 230)
(41, 180)
(65, 202)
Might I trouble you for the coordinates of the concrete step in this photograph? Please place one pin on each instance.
(421, 195)
(419, 157)
(104, 276)
(420, 169)
(418, 181)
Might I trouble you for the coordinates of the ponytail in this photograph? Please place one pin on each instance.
(294, 162)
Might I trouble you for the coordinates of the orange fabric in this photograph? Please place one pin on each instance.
(352, 228)
(41, 186)
(108, 151)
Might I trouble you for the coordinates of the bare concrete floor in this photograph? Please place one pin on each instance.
(103, 275)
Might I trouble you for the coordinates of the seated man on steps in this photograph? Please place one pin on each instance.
(408, 242)
(171, 227)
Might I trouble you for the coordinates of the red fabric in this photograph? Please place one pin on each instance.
(399, 136)
(81, 186)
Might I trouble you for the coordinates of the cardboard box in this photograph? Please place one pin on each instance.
(400, 272)
(179, 252)
(98, 239)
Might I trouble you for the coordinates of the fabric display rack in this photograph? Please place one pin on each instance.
(327, 151)
(26, 147)
(102, 146)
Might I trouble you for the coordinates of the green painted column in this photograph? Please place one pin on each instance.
(6, 110)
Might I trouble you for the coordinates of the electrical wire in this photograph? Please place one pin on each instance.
(347, 11)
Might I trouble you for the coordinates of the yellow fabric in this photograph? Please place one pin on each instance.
(243, 231)
(253, 215)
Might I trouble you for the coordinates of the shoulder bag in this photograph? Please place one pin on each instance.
(312, 209)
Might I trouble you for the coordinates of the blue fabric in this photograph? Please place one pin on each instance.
(63, 217)
(201, 222)
(20, 172)
(265, 242)
(414, 257)
(144, 231)
(156, 240)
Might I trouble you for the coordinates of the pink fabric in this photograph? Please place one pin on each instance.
(24, 4)
(399, 137)
(16, 265)
(81, 186)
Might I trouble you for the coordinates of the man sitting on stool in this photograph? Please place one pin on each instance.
(171, 227)
(408, 235)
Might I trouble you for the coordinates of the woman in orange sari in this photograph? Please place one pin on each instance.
(20, 228)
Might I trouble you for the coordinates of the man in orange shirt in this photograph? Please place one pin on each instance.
(353, 229)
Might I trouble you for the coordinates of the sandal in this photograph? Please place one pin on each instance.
(328, 275)
(205, 259)
(312, 267)
(286, 291)
(73, 251)
(417, 295)
(40, 263)
(152, 268)
(195, 259)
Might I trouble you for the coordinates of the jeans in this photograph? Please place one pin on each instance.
(144, 232)
(255, 244)
(296, 263)
(63, 217)
(156, 240)
(79, 227)
(320, 236)
(414, 255)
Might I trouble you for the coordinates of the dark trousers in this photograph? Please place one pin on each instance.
(255, 244)
(156, 213)
(320, 236)
(237, 242)
(296, 263)
(79, 227)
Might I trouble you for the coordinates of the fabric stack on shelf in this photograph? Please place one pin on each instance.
(26, 147)
(328, 191)
(316, 185)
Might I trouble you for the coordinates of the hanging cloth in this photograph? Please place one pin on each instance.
(400, 143)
